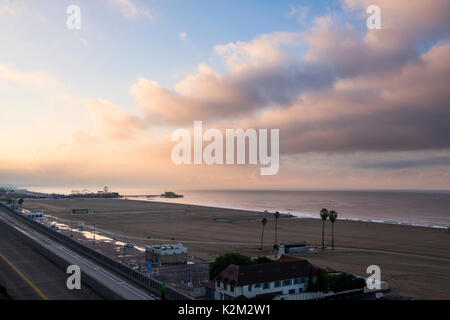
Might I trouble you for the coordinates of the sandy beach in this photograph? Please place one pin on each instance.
(414, 260)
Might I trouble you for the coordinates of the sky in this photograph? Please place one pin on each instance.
(356, 108)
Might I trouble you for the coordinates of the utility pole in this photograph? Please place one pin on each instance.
(94, 235)
(125, 244)
(189, 274)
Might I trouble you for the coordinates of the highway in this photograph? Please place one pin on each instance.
(107, 278)
(28, 275)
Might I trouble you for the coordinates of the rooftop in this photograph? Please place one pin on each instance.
(286, 258)
(266, 272)
(166, 247)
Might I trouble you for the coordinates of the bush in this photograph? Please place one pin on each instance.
(335, 282)
(346, 282)
(216, 267)
(261, 260)
(235, 258)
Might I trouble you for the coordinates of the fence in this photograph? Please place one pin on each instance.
(136, 277)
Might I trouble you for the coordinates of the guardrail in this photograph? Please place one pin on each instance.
(154, 286)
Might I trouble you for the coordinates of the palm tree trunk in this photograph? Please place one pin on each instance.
(332, 237)
(323, 235)
(276, 231)
(262, 237)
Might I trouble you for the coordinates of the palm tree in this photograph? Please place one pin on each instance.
(333, 216)
(264, 222)
(323, 216)
(276, 215)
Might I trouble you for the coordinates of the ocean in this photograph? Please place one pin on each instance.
(421, 208)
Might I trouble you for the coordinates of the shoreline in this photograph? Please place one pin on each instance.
(296, 214)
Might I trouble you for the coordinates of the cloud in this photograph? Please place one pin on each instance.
(183, 35)
(34, 79)
(113, 122)
(409, 163)
(12, 8)
(350, 92)
(405, 109)
(42, 83)
(259, 74)
(347, 54)
(83, 40)
(130, 10)
(264, 50)
(334, 91)
(299, 12)
(415, 18)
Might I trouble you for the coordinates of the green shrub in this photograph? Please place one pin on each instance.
(216, 267)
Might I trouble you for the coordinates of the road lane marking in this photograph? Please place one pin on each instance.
(31, 284)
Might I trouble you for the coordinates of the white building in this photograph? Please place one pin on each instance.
(166, 254)
(265, 280)
(292, 248)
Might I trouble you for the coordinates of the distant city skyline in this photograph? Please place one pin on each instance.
(356, 108)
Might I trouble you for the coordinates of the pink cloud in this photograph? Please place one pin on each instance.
(113, 122)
